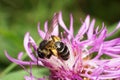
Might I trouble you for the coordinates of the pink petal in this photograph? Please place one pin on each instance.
(27, 47)
(91, 29)
(41, 33)
(62, 23)
(71, 24)
(19, 61)
(83, 29)
(113, 32)
(20, 55)
(46, 26)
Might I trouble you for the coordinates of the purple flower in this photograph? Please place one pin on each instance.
(86, 48)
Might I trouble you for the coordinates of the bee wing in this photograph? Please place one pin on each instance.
(53, 24)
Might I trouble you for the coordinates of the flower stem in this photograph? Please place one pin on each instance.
(11, 67)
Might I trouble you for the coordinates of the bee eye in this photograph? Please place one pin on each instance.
(41, 55)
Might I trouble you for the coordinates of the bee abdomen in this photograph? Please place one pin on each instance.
(62, 50)
(65, 54)
(60, 46)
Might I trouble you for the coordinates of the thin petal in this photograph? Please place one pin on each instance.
(20, 55)
(91, 29)
(62, 23)
(102, 35)
(71, 24)
(83, 29)
(27, 47)
(112, 42)
(56, 30)
(46, 26)
(111, 54)
(54, 24)
(41, 33)
(99, 52)
(19, 61)
(113, 32)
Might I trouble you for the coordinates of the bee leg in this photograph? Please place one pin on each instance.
(48, 56)
(54, 52)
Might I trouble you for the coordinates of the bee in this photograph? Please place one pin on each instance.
(52, 45)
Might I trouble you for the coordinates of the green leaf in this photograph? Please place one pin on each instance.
(19, 75)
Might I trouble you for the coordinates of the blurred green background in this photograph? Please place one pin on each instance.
(20, 16)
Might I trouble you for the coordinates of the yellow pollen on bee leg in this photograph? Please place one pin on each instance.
(86, 79)
(55, 52)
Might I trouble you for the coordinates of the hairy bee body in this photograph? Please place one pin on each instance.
(62, 49)
(53, 46)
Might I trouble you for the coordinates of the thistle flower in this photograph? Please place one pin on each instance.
(86, 50)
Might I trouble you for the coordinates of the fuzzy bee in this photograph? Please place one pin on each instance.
(52, 45)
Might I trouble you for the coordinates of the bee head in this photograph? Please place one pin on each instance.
(43, 44)
(40, 54)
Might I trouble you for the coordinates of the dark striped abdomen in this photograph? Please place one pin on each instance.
(63, 50)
